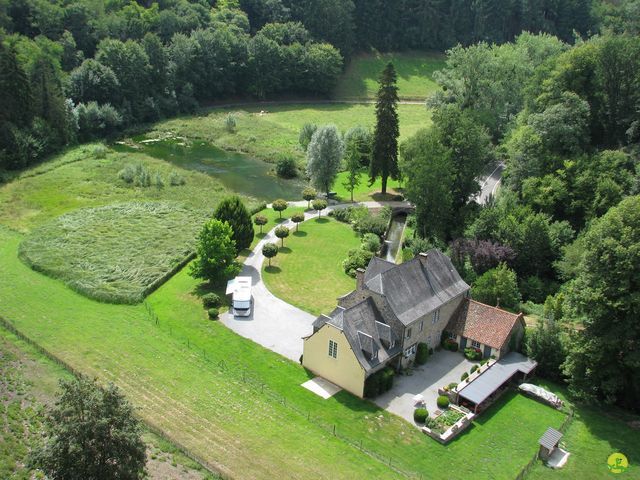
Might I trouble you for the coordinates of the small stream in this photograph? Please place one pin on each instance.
(394, 237)
(238, 172)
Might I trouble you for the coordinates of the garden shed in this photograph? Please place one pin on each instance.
(549, 442)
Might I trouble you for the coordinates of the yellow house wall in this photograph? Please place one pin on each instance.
(345, 370)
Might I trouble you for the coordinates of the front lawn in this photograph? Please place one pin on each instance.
(363, 192)
(308, 271)
(274, 220)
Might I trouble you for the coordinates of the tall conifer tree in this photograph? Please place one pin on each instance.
(384, 161)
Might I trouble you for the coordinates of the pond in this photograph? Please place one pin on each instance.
(240, 173)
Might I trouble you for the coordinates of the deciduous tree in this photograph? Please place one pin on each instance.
(324, 155)
(216, 253)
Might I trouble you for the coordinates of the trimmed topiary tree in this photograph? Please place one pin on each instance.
(269, 250)
(233, 211)
(464, 376)
(282, 232)
(319, 205)
(309, 194)
(420, 415)
(279, 206)
(213, 313)
(297, 218)
(443, 401)
(260, 220)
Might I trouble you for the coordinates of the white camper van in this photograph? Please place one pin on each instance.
(240, 290)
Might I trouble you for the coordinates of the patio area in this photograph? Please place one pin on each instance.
(442, 368)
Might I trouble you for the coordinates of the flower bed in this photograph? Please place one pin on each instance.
(448, 424)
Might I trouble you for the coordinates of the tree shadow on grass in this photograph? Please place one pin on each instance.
(384, 197)
(284, 250)
(281, 220)
(261, 235)
(299, 233)
(322, 220)
(272, 269)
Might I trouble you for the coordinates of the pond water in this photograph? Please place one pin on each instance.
(239, 173)
(394, 236)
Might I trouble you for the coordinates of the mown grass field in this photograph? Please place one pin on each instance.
(363, 192)
(414, 69)
(270, 135)
(28, 385)
(116, 253)
(308, 272)
(173, 372)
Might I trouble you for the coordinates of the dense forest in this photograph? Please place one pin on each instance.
(565, 228)
(77, 70)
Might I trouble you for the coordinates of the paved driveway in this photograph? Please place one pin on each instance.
(274, 323)
(442, 368)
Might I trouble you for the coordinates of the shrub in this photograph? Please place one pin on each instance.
(286, 168)
(230, 123)
(175, 179)
(450, 344)
(464, 376)
(357, 258)
(127, 174)
(213, 313)
(258, 208)
(420, 415)
(211, 300)
(386, 379)
(376, 224)
(158, 180)
(99, 151)
(443, 401)
(372, 386)
(473, 353)
(342, 214)
(422, 353)
(371, 243)
(473, 369)
(452, 385)
(306, 132)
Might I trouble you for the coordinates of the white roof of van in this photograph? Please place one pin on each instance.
(240, 288)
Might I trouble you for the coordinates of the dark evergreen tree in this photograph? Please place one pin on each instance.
(233, 211)
(384, 161)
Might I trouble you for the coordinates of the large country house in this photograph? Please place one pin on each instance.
(392, 310)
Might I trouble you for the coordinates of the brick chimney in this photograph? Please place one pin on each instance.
(359, 278)
(422, 256)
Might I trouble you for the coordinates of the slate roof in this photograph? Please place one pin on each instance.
(497, 374)
(414, 289)
(483, 323)
(365, 329)
(550, 438)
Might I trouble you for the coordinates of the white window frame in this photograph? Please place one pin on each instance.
(475, 344)
(436, 316)
(410, 351)
(333, 349)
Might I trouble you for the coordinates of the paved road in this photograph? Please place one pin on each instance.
(489, 184)
(274, 323)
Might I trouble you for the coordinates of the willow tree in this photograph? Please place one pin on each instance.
(384, 161)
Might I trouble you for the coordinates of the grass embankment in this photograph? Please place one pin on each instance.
(77, 179)
(173, 372)
(270, 135)
(28, 384)
(414, 69)
(308, 272)
(117, 253)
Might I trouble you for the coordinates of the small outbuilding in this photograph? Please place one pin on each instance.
(549, 443)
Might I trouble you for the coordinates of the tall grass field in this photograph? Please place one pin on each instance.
(117, 253)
